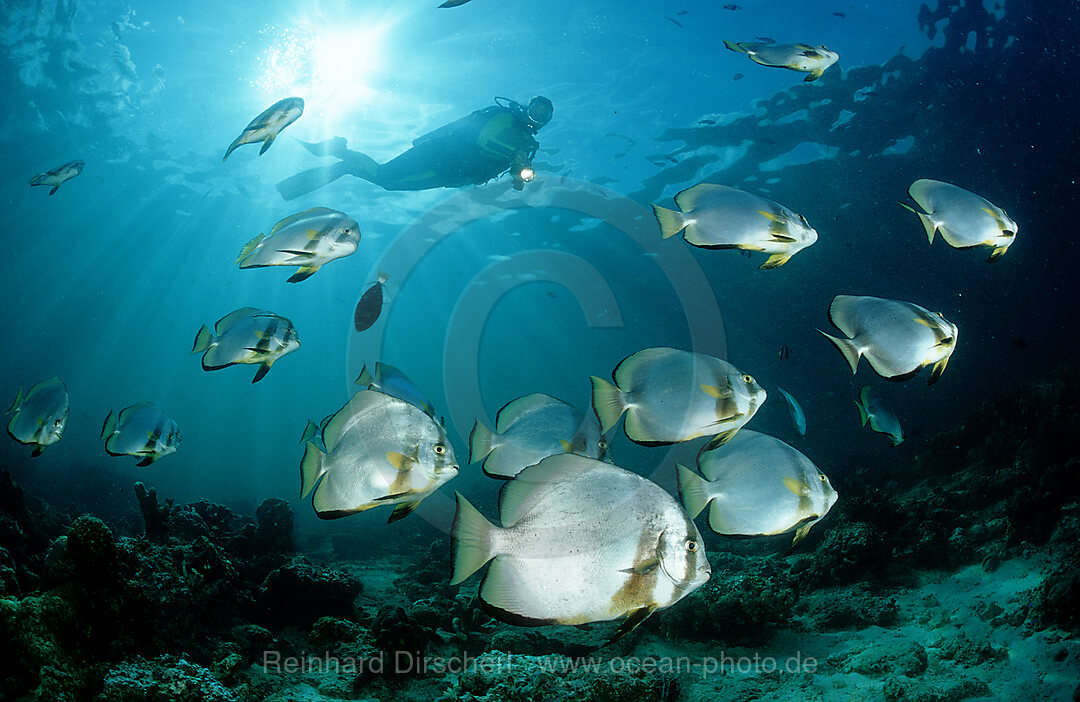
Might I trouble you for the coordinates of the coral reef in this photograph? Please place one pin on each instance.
(164, 679)
(299, 592)
(743, 602)
(500, 677)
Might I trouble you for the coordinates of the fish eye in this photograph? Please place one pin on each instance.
(601, 444)
(439, 449)
(748, 379)
(822, 476)
(691, 545)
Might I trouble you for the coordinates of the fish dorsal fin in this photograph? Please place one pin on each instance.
(18, 401)
(797, 487)
(519, 495)
(310, 212)
(225, 323)
(514, 410)
(361, 401)
(688, 199)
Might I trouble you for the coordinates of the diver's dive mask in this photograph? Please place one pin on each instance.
(539, 111)
(535, 116)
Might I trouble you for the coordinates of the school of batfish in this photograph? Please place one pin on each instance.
(581, 539)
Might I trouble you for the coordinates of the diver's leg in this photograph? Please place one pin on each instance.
(421, 168)
(354, 163)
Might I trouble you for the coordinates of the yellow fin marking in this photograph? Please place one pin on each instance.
(797, 487)
(713, 391)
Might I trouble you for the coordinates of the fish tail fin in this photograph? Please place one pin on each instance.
(862, 413)
(735, 47)
(481, 442)
(266, 143)
(671, 221)
(608, 401)
(691, 490)
(17, 402)
(249, 248)
(848, 348)
(310, 432)
(203, 340)
(108, 428)
(470, 538)
(303, 273)
(311, 467)
(365, 377)
(54, 189)
(928, 224)
(775, 261)
(232, 147)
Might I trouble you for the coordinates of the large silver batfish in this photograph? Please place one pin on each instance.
(719, 217)
(269, 124)
(670, 395)
(376, 450)
(964, 219)
(581, 541)
(898, 338)
(757, 486)
(59, 175)
(803, 58)
(40, 415)
(308, 239)
(141, 430)
(529, 429)
(247, 335)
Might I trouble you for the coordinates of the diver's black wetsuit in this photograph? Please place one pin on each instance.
(470, 151)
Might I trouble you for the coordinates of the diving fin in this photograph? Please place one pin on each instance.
(311, 180)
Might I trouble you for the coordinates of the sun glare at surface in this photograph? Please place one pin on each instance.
(332, 68)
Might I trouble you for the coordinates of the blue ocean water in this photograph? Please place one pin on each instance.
(493, 293)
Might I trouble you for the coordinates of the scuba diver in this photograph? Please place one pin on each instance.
(470, 151)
